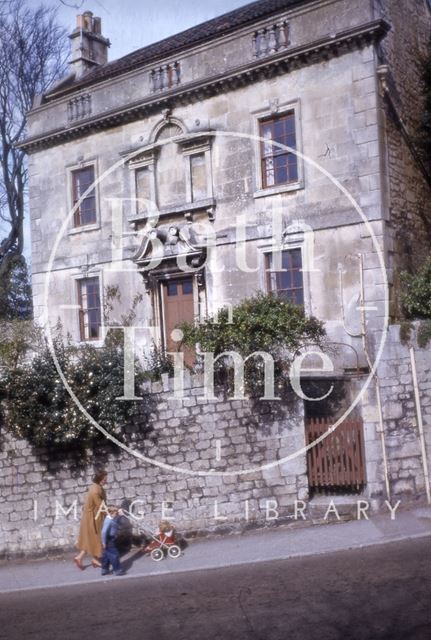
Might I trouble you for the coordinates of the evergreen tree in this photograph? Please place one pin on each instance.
(15, 293)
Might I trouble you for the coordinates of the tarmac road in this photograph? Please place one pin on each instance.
(375, 593)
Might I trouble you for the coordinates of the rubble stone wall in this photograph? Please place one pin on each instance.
(405, 49)
(205, 440)
(405, 460)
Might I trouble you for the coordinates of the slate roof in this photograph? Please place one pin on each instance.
(203, 32)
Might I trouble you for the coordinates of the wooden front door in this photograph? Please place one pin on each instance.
(178, 307)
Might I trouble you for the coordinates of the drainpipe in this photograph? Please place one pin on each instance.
(420, 424)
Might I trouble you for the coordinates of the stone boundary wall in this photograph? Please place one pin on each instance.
(190, 433)
(41, 501)
(400, 419)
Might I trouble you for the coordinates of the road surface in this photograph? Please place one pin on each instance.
(375, 593)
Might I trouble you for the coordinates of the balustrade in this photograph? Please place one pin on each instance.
(165, 77)
(271, 39)
(79, 107)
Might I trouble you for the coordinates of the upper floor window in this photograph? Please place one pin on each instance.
(143, 187)
(288, 282)
(85, 212)
(278, 165)
(198, 174)
(89, 308)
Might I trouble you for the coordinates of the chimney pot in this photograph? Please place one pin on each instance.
(89, 47)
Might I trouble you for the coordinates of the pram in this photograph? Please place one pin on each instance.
(164, 541)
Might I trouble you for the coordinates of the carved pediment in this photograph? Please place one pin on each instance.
(163, 244)
(146, 156)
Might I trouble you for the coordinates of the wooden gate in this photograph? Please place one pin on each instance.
(337, 462)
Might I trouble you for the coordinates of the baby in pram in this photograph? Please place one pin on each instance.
(163, 537)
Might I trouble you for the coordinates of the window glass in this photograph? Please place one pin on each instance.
(278, 165)
(198, 177)
(143, 188)
(287, 283)
(187, 286)
(85, 213)
(172, 288)
(89, 308)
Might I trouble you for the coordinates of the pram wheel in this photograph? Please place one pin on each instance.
(157, 555)
(174, 551)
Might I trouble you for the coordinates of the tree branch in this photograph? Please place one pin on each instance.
(32, 56)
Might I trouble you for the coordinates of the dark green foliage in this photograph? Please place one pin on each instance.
(416, 292)
(15, 292)
(416, 300)
(17, 338)
(263, 322)
(39, 408)
(424, 333)
(157, 363)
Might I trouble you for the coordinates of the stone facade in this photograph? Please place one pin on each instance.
(172, 134)
(225, 89)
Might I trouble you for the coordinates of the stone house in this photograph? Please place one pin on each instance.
(268, 149)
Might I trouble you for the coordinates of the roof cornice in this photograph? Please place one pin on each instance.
(276, 64)
(180, 43)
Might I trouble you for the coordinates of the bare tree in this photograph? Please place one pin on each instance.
(72, 5)
(32, 57)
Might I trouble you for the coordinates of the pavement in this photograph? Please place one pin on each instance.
(276, 543)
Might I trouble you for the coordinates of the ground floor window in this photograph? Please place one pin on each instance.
(89, 308)
(286, 282)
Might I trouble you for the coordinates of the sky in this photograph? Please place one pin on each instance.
(132, 24)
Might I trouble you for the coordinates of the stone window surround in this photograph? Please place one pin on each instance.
(293, 242)
(274, 109)
(190, 150)
(76, 279)
(82, 164)
(190, 145)
(147, 160)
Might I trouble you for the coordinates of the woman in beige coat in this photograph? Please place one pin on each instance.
(93, 515)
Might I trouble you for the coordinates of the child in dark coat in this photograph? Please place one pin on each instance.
(110, 552)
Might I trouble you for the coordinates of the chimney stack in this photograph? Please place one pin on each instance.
(89, 47)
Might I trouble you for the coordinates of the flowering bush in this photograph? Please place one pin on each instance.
(39, 408)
